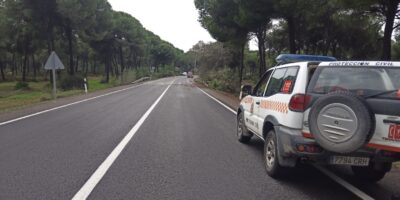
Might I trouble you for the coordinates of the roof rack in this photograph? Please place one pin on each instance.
(292, 58)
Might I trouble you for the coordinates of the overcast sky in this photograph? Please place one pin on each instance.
(173, 20)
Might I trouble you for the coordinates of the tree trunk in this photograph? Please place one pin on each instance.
(86, 66)
(107, 66)
(3, 77)
(139, 63)
(34, 67)
(387, 38)
(94, 66)
(261, 34)
(241, 65)
(14, 65)
(70, 50)
(50, 36)
(24, 67)
(292, 34)
(112, 66)
(121, 59)
(115, 64)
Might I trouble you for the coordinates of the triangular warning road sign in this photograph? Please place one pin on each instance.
(53, 62)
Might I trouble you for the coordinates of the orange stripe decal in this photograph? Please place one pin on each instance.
(275, 106)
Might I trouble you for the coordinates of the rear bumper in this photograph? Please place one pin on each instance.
(291, 141)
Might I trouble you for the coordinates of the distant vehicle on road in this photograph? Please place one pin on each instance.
(190, 74)
(184, 74)
(313, 108)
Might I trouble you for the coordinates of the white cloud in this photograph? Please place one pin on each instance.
(173, 20)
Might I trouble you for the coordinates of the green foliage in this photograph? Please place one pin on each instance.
(223, 79)
(165, 71)
(221, 19)
(216, 65)
(344, 29)
(21, 86)
(142, 72)
(396, 47)
(89, 37)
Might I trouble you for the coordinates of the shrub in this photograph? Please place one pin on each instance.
(22, 86)
(224, 79)
(142, 72)
(71, 82)
(165, 71)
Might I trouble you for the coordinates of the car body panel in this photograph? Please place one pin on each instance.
(292, 127)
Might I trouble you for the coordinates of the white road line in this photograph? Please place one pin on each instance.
(328, 173)
(343, 183)
(91, 183)
(218, 101)
(64, 106)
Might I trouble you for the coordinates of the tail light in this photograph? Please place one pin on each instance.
(309, 148)
(299, 102)
(308, 135)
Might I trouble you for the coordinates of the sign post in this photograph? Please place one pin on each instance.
(85, 84)
(53, 63)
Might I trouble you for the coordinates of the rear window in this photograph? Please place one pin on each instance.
(359, 80)
(395, 77)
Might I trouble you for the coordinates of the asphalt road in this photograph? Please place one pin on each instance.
(185, 149)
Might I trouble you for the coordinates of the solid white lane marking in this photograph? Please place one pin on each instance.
(345, 184)
(328, 173)
(67, 105)
(218, 101)
(91, 183)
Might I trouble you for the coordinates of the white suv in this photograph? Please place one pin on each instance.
(315, 109)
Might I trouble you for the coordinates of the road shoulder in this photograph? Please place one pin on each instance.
(46, 105)
(228, 99)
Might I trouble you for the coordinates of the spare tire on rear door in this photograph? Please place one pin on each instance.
(341, 122)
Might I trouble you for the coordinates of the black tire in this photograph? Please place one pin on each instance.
(244, 135)
(341, 122)
(271, 156)
(373, 173)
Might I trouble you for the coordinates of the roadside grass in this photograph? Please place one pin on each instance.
(12, 98)
(396, 165)
(40, 91)
(95, 84)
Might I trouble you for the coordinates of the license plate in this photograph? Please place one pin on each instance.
(353, 161)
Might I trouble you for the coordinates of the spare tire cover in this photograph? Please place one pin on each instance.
(341, 122)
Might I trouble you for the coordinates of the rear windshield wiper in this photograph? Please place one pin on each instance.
(380, 94)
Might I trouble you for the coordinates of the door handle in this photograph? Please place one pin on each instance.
(391, 121)
(257, 102)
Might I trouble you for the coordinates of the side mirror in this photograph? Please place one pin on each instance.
(246, 90)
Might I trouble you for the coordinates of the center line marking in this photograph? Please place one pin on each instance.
(91, 183)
